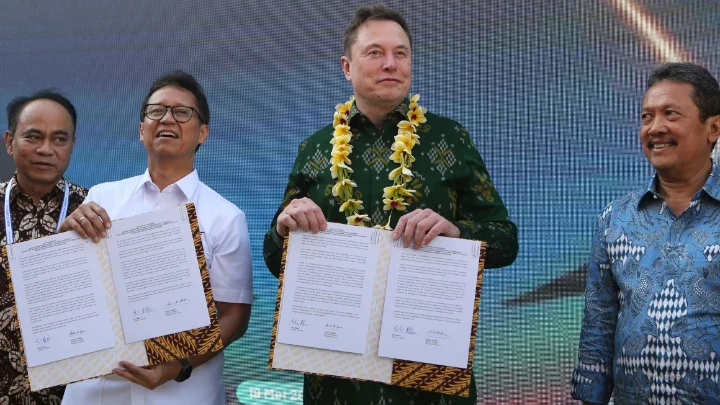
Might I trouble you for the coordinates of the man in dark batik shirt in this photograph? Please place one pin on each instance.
(449, 193)
(40, 139)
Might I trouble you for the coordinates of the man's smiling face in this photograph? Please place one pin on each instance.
(167, 137)
(673, 138)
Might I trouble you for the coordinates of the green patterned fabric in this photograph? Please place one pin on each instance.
(450, 179)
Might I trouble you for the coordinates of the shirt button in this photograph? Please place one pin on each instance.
(678, 225)
(654, 196)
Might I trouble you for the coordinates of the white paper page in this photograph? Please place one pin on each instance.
(429, 302)
(97, 363)
(156, 274)
(328, 287)
(60, 298)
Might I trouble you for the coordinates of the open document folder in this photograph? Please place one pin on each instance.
(354, 303)
(142, 294)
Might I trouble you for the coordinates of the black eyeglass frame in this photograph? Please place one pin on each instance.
(195, 112)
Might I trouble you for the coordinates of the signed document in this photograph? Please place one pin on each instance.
(329, 278)
(354, 303)
(138, 295)
(60, 298)
(156, 274)
(429, 302)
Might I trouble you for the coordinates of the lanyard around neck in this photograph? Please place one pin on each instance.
(9, 235)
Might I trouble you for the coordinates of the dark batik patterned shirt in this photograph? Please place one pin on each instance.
(651, 331)
(450, 178)
(29, 221)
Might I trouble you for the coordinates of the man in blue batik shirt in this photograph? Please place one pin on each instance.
(651, 330)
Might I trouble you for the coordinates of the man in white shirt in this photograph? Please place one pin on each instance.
(174, 122)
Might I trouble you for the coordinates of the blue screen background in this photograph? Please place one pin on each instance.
(550, 92)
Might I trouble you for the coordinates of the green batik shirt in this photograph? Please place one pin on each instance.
(450, 178)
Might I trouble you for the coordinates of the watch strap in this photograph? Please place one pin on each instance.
(185, 371)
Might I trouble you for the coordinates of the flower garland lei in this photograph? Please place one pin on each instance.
(393, 196)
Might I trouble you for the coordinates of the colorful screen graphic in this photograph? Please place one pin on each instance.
(550, 92)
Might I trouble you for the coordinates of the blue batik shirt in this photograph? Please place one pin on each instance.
(651, 330)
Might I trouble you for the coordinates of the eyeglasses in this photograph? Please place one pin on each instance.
(181, 113)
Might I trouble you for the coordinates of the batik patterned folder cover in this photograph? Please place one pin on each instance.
(369, 366)
(149, 352)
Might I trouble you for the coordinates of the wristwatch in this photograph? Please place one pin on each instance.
(185, 371)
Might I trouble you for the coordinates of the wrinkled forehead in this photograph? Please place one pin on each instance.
(381, 32)
(46, 112)
(667, 92)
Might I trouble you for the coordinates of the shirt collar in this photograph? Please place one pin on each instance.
(187, 184)
(711, 186)
(57, 191)
(401, 109)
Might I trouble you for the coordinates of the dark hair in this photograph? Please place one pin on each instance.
(706, 92)
(15, 107)
(375, 12)
(185, 81)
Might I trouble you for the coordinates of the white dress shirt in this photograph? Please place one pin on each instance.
(227, 251)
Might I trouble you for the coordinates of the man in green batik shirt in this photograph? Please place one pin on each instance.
(453, 195)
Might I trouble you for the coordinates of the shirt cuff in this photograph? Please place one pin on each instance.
(232, 296)
(276, 237)
(466, 231)
(591, 386)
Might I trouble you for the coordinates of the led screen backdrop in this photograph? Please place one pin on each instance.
(549, 91)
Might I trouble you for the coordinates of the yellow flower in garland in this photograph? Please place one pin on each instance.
(342, 131)
(357, 219)
(354, 205)
(335, 170)
(401, 173)
(344, 108)
(408, 138)
(340, 157)
(343, 148)
(397, 191)
(406, 126)
(405, 140)
(394, 204)
(341, 139)
(401, 150)
(402, 154)
(343, 189)
(339, 119)
(417, 116)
